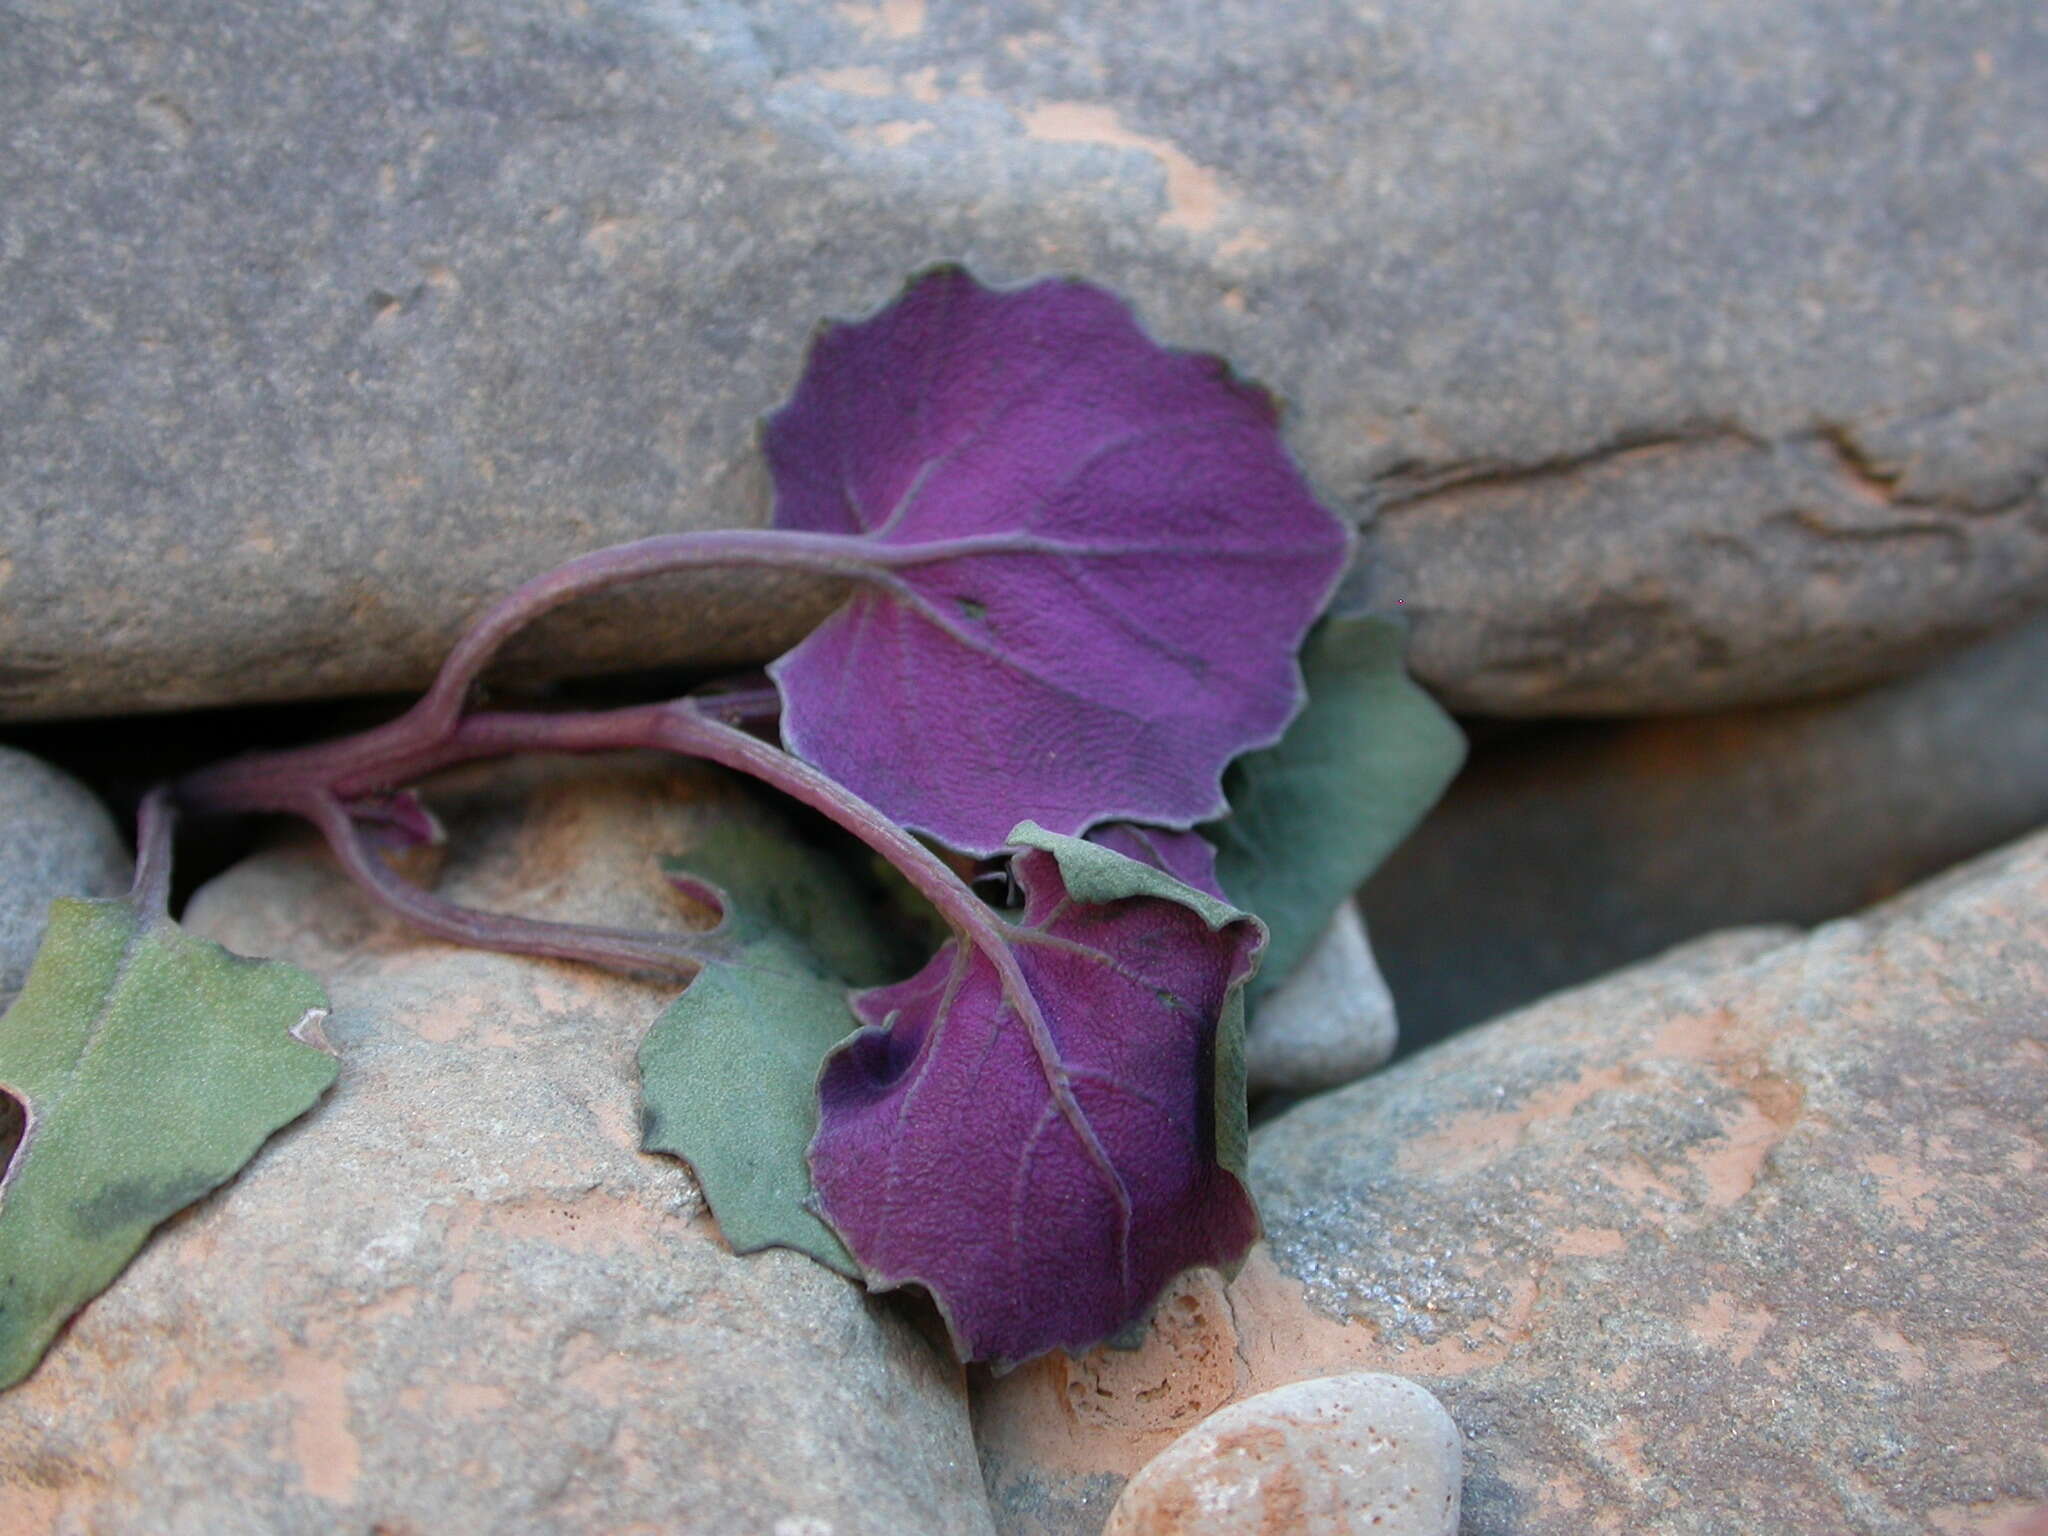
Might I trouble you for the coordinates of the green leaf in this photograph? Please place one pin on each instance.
(1313, 816)
(151, 1066)
(729, 1072)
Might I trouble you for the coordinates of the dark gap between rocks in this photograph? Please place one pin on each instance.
(13, 1126)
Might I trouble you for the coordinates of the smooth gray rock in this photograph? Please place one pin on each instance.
(456, 1297)
(56, 839)
(1559, 857)
(1329, 1023)
(1672, 355)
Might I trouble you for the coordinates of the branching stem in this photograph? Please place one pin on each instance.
(320, 783)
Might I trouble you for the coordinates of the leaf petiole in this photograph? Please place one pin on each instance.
(154, 822)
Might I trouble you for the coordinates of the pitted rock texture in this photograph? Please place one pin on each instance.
(1359, 1455)
(1671, 356)
(56, 839)
(456, 1297)
(1745, 1238)
(1605, 843)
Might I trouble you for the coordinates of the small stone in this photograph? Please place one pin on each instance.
(1330, 1457)
(56, 839)
(1329, 1023)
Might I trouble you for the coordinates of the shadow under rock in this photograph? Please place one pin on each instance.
(1565, 851)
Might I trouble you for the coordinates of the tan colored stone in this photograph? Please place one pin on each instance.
(1746, 1238)
(456, 1297)
(1358, 1455)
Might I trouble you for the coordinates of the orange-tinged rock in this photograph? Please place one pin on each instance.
(1746, 1238)
(457, 1297)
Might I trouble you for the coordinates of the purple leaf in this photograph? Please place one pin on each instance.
(1187, 856)
(1091, 562)
(1043, 1133)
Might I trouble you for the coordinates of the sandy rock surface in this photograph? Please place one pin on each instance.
(1360, 1455)
(456, 1297)
(1748, 1237)
(1669, 356)
(56, 839)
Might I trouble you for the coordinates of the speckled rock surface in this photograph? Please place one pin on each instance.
(1675, 355)
(455, 1298)
(1602, 844)
(1745, 1238)
(1361, 1455)
(56, 839)
(1329, 1023)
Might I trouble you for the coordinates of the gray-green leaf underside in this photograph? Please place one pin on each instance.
(151, 1066)
(729, 1072)
(1312, 816)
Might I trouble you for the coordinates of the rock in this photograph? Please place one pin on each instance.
(1601, 844)
(56, 839)
(1672, 359)
(1748, 1237)
(456, 1297)
(1329, 1457)
(1329, 1023)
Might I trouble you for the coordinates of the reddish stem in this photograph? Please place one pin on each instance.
(154, 823)
(320, 782)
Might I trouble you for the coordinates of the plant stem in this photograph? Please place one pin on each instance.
(154, 822)
(381, 758)
(617, 949)
(291, 781)
(682, 728)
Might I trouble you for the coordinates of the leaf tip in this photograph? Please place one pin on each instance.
(310, 1030)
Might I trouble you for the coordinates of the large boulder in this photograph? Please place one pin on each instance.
(1746, 1238)
(456, 1296)
(56, 839)
(1559, 857)
(1670, 355)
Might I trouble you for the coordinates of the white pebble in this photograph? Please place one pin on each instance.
(1369, 1454)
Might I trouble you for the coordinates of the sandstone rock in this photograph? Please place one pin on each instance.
(1330, 1457)
(1674, 355)
(456, 1297)
(56, 839)
(1746, 1238)
(1564, 855)
(1329, 1023)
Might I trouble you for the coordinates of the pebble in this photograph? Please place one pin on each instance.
(56, 839)
(1359, 1453)
(1329, 1023)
